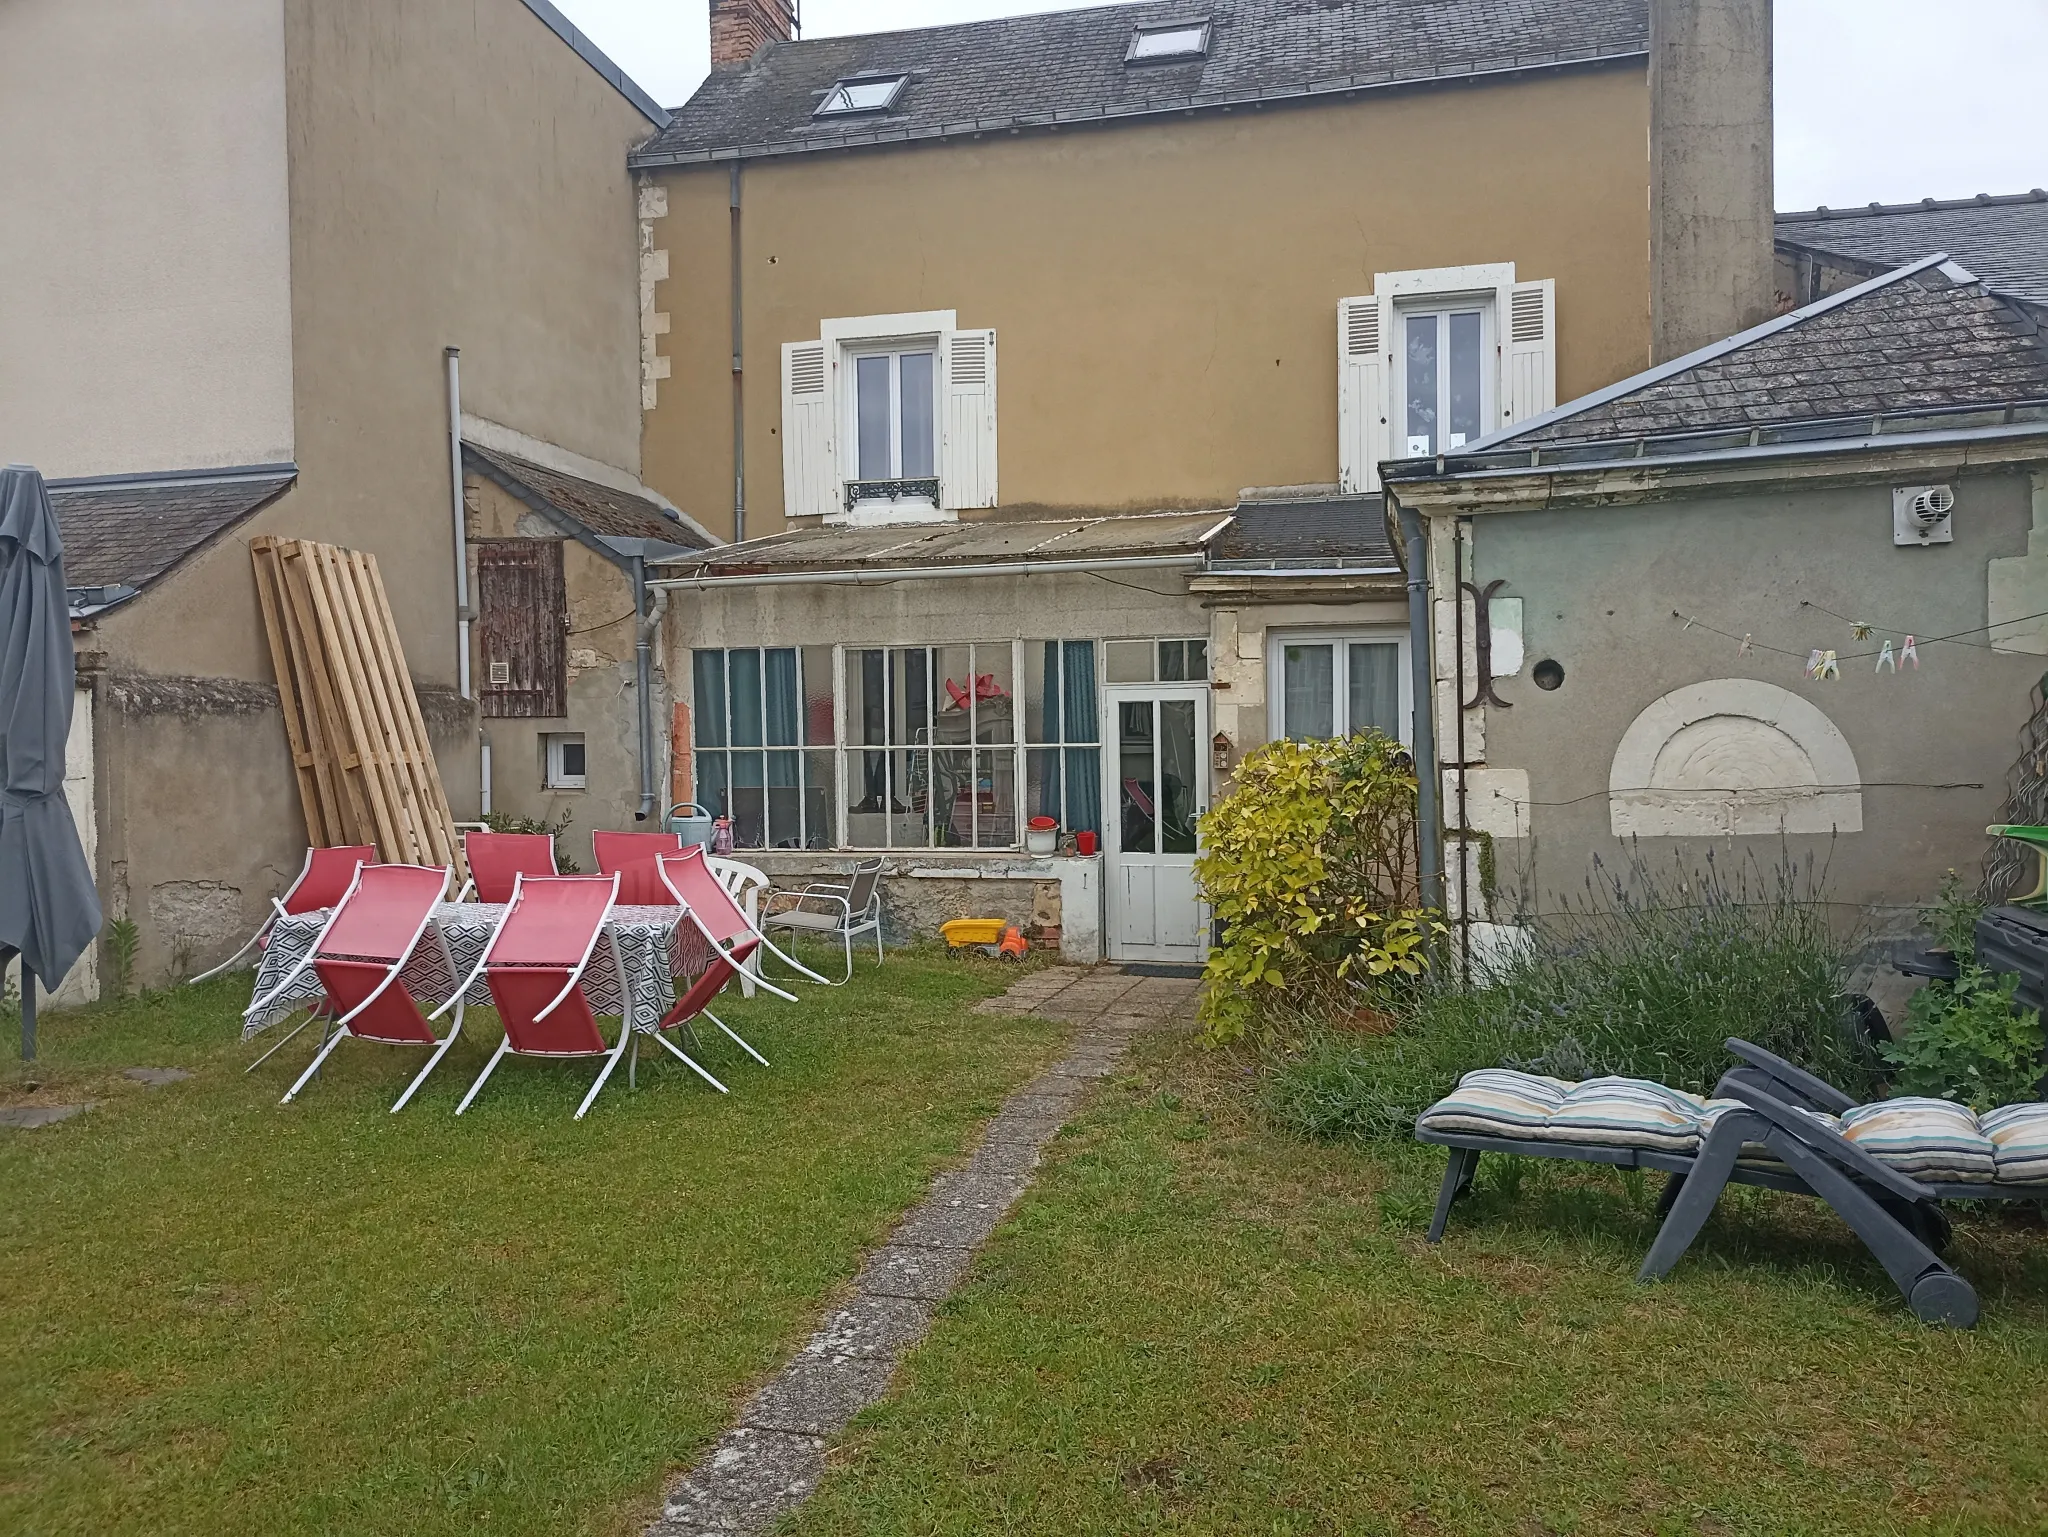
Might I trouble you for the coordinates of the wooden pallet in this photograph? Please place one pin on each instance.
(359, 744)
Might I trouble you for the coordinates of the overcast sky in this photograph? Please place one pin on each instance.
(1885, 100)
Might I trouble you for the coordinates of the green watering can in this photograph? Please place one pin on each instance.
(2035, 838)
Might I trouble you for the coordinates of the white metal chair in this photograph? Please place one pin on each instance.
(833, 910)
(322, 881)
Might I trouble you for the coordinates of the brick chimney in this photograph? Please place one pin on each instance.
(742, 28)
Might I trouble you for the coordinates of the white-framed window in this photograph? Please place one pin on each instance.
(1161, 41)
(1156, 661)
(564, 765)
(1434, 360)
(1325, 683)
(861, 93)
(899, 747)
(889, 418)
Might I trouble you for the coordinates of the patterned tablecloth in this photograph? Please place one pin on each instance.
(655, 945)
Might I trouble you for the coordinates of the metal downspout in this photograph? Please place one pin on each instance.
(1428, 782)
(646, 620)
(451, 356)
(739, 404)
(1458, 702)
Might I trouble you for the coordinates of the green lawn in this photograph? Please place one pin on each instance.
(1197, 1324)
(223, 1316)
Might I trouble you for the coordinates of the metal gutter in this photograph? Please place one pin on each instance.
(1429, 822)
(1344, 85)
(883, 575)
(1219, 568)
(175, 477)
(597, 59)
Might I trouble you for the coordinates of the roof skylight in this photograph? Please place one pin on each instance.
(1168, 40)
(862, 93)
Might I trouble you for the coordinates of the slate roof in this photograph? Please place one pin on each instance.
(128, 530)
(2004, 240)
(1322, 533)
(1068, 67)
(600, 508)
(996, 541)
(1924, 338)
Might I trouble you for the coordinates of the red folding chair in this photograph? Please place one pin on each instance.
(631, 857)
(696, 999)
(322, 881)
(497, 860)
(359, 955)
(690, 880)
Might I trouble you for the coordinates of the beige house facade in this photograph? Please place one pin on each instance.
(248, 332)
(1078, 340)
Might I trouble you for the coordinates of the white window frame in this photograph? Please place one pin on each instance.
(555, 776)
(1480, 302)
(865, 335)
(1340, 640)
(849, 407)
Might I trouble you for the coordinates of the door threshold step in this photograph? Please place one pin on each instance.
(1182, 969)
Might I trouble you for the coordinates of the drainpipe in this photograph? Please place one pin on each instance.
(1428, 782)
(483, 763)
(739, 405)
(452, 356)
(647, 619)
(1458, 703)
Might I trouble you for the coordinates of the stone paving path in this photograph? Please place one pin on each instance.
(772, 1457)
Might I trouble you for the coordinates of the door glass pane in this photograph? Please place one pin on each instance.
(749, 801)
(785, 800)
(784, 705)
(1177, 769)
(871, 407)
(1375, 688)
(1129, 661)
(995, 790)
(1308, 708)
(1078, 718)
(746, 697)
(915, 370)
(818, 696)
(1464, 426)
(995, 714)
(1421, 385)
(709, 721)
(1137, 798)
(820, 826)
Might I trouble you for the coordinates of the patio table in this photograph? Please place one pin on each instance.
(654, 944)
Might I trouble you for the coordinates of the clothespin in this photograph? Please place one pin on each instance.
(1743, 649)
(1858, 630)
(1884, 659)
(1814, 660)
(1689, 623)
(1830, 665)
(1909, 653)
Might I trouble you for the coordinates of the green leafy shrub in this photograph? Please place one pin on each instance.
(1310, 863)
(1965, 1042)
(122, 940)
(501, 822)
(1645, 975)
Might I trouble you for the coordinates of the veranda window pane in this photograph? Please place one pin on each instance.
(915, 371)
(1309, 704)
(1084, 789)
(871, 407)
(995, 705)
(749, 801)
(910, 696)
(818, 696)
(1129, 661)
(1042, 691)
(1376, 688)
(1042, 789)
(785, 800)
(745, 669)
(953, 799)
(953, 668)
(821, 827)
(910, 800)
(867, 708)
(784, 701)
(867, 795)
(1464, 424)
(714, 784)
(709, 721)
(995, 791)
(1079, 721)
(1422, 370)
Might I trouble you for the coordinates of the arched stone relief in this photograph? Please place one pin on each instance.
(1733, 756)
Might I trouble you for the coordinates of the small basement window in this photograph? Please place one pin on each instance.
(565, 760)
(864, 93)
(1170, 40)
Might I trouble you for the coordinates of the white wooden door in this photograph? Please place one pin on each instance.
(1157, 774)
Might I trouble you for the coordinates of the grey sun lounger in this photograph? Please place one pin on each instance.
(1769, 1124)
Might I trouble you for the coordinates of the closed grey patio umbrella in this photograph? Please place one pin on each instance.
(49, 911)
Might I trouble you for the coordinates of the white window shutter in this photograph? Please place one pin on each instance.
(1528, 382)
(967, 407)
(810, 465)
(1365, 337)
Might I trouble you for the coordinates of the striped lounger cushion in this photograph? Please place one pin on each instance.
(1933, 1139)
(1601, 1112)
(2019, 1142)
(1497, 1102)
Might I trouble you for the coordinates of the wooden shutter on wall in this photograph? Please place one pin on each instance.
(522, 604)
(810, 464)
(1528, 350)
(967, 393)
(1365, 338)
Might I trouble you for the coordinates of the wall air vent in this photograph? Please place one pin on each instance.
(1922, 515)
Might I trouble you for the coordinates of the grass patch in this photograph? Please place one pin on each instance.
(1197, 1324)
(222, 1315)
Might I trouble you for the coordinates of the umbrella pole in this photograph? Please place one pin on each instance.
(28, 1002)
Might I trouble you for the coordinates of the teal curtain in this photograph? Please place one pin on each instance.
(1081, 723)
(784, 698)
